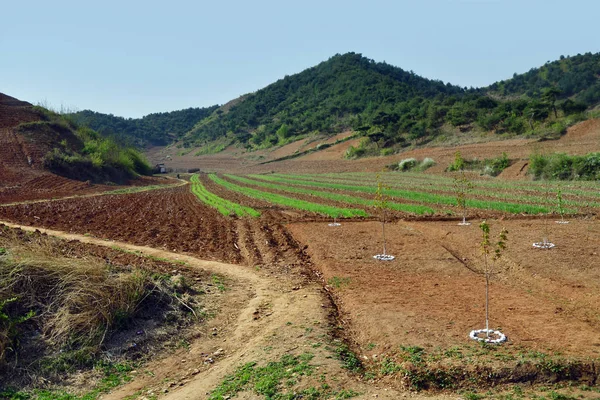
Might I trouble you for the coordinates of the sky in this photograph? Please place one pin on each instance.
(131, 58)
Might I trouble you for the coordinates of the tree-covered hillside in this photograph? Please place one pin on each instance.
(575, 77)
(347, 91)
(393, 107)
(157, 128)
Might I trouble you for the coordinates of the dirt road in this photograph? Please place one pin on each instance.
(262, 318)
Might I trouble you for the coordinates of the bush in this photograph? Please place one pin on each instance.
(426, 163)
(407, 164)
(564, 167)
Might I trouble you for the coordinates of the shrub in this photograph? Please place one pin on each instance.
(407, 164)
(426, 163)
(565, 167)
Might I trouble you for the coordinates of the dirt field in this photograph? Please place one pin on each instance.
(430, 296)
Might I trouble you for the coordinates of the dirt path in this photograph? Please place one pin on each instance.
(264, 317)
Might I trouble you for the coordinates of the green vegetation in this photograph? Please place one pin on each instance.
(277, 380)
(393, 108)
(565, 167)
(411, 208)
(81, 153)
(156, 129)
(225, 207)
(491, 167)
(289, 202)
(424, 197)
(114, 374)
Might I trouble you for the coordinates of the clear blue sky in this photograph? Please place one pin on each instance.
(131, 58)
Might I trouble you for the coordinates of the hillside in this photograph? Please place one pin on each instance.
(154, 129)
(575, 78)
(394, 108)
(41, 150)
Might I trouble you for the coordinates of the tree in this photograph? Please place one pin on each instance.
(549, 96)
(462, 186)
(381, 205)
(490, 262)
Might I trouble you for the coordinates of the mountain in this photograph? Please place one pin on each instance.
(156, 129)
(347, 91)
(393, 108)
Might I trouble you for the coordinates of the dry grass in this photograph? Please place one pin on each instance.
(73, 301)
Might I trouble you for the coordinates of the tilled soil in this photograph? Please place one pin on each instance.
(431, 294)
(170, 218)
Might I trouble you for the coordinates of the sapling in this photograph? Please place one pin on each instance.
(489, 264)
(462, 186)
(335, 223)
(545, 243)
(381, 205)
(560, 205)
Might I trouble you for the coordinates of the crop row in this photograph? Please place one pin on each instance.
(410, 208)
(575, 188)
(415, 196)
(448, 186)
(222, 205)
(333, 212)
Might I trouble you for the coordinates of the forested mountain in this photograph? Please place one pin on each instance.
(389, 106)
(393, 107)
(346, 91)
(157, 129)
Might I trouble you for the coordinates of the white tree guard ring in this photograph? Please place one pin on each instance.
(543, 245)
(334, 224)
(562, 222)
(464, 223)
(500, 337)
(384, 257)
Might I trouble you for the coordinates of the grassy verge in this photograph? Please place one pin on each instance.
(225, 207)
(289, 202)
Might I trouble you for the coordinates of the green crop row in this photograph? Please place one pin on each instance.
(448, 186)
(410, 208)
(422, 197)
(225, 207)
(289, 202)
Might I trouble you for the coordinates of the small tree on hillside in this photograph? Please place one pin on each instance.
(462, 186)
(381, 205)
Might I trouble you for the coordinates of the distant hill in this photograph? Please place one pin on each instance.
(393, 108)
(34, 140)
(156, 129)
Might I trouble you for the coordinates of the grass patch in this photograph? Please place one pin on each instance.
(277, 380)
